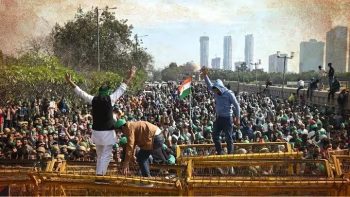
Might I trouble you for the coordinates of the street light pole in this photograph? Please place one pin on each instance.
(238, 69)
(255, 64)
(285, 57)
(98, 36)
(137, 43)
(98, 41)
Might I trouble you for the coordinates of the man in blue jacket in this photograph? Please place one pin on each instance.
(227, 112)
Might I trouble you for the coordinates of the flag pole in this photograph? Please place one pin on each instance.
(191, 105)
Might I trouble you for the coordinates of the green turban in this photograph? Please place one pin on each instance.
(104, 91)
(313, 127)
(123, 141)
(171, 159)
(120, 122)
(199, 136)
(164, 146)
(208, 129)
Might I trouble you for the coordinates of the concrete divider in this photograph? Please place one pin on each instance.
(319, 97)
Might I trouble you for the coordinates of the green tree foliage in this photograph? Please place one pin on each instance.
(32, 76)
(171, 74)
(25, 81)
(75, 43)
(174, 72)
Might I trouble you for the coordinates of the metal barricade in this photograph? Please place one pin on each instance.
(16, 176)
(209, 149)
(263, 177)
(342, 165)
(78, 178)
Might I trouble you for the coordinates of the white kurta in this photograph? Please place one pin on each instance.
(107, 137)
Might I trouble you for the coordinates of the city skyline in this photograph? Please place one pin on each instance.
(173, 28)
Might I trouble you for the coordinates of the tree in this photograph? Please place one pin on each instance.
(32, 76)
(75, 43)
(157, 75)
(172, 65)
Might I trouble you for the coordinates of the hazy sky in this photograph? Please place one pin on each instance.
(174, 27)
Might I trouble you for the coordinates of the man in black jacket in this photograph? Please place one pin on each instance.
(103, 134)
(330, 75)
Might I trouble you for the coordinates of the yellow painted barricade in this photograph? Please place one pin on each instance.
(263, 177)
(209, 149)
(16, 176)
(78, 178)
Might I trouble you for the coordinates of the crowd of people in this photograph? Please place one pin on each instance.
(51, 128)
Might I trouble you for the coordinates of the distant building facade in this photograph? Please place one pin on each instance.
(337, 48)
(215, 63)
(204, 51)
(311, 55)
(276, 64)
(227, 61)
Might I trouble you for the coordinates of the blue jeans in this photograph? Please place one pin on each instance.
(143, 155)
(223, 124)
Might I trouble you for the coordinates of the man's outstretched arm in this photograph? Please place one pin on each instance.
(85, 96)
(121, 89)
(204, 74)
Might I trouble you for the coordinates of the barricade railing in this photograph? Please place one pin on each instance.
(165, 180)
(16, 176)
(250, 169)
(237, 174)
(342, 165)
(264, 177)
(209, 149)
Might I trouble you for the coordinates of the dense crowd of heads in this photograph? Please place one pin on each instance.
(50, 128)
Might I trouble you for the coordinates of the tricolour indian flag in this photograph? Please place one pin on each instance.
(185, 88)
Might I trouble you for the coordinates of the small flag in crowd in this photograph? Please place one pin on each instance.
(185, 88)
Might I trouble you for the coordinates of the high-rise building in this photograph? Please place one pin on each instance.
(249, 50)
(276, 64)
(215, 63)
(204, 51)
(227, 61)
(311, 55)
(337, 47)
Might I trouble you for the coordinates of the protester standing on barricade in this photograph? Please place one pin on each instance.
(330, 75)
(335, 87)
(300, 85)
(225, 115)
(103, 134)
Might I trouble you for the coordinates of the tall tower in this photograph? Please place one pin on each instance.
(249, 50)
(227, 61)
(311, 55)
(337, 48)
(204, 51)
